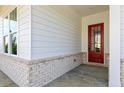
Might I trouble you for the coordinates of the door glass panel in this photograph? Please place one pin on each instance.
(99, 35)
(95, 39)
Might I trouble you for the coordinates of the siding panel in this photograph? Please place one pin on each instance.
(55, 31)
(24, 28)
(122, 31)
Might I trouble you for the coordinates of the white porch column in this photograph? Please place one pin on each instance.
(114, 66)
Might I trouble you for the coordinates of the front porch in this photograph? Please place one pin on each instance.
(5, 81)
(81, 76)
(58, 46)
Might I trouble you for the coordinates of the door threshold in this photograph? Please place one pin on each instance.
(95, 64)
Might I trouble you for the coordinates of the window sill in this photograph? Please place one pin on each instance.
(7, 54)
(14, 58)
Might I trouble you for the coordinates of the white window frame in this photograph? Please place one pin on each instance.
(3, 35)
(9, 35)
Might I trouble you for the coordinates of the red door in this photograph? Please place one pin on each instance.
(96, 43)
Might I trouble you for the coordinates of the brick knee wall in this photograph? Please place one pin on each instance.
(122, 73)
(38, 72)
(27, 73)
(15, 69)
(45, 72)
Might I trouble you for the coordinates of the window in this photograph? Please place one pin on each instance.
(10, 32)
(14, 43)
(13, 31)
(13, 21)
(6, 26)
(5, 34)
(6, 44)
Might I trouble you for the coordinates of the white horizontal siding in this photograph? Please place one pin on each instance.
(24, 31)
(122, 31)
(56, 30)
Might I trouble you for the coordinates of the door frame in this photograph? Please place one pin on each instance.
(102, 41)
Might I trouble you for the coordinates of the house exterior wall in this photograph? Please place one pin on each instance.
(44, 71)
(122, 43)
(102, 17)
(122, 30)
(16, 69)
(35, 73)
(13, 65)
(122, 73)
(24, 32)
(49, 45)
(55, 31)
(24, 29)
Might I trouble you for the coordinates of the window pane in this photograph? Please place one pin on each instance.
(14, 43)
(6, 44)
(13, 21)
(6, 26)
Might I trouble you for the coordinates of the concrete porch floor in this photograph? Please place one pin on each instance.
(5, 81)
(82, 76)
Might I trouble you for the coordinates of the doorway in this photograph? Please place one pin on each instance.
(96, 43)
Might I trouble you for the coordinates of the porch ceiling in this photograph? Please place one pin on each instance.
(85, 10)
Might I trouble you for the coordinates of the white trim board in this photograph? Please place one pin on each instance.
(114, 67)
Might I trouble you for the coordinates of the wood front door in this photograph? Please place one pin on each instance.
(96, 43)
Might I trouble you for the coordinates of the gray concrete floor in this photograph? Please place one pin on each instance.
(5, 81)
(82, 76)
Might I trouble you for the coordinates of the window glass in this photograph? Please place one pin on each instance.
(6, 26)
(6, 44)
(14, 43)
(10, 32)
(13, 21)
